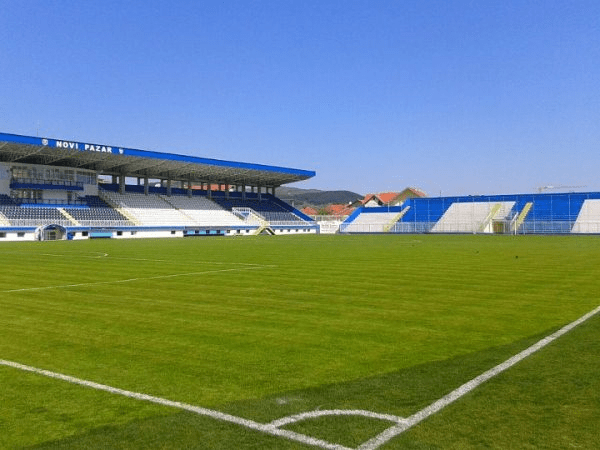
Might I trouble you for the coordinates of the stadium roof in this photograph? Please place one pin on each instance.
(113, 160)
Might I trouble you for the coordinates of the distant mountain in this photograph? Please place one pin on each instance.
(300, 198)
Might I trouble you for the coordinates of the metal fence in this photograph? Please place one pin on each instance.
(508, 226)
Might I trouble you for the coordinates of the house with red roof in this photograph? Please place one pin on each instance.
(329, 210)
(340, 210)
(390, 198)
(309, 211)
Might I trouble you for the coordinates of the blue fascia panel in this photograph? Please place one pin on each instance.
(354, 215)
(216, 162)
(87, 147)
(381, 209)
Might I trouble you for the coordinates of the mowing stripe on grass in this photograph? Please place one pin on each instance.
(129, 280)
(97, 255)
(126, 258)
(438, 405)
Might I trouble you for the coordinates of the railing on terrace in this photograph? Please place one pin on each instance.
(501, 227)
(49, 201)
(329, 218)
(412, 227)
(362, 227)
(589, 227)
(246, 213)
(290, 223)
(105, 223)
(546, 227)
(39, 222)
(43, 182)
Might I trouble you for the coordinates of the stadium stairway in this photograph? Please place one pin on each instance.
(4, 222)
(264, 225)
(174, 206)
(68, 216)
(484, 224)
(522, 215)
(395, 219)
(105, 196)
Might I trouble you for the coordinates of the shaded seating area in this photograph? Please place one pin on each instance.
(97, 212)
(272, 211)
(24, 214)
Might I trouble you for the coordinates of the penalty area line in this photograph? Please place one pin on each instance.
(440, 404)
(130, 280)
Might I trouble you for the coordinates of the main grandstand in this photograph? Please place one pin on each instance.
(58, 189)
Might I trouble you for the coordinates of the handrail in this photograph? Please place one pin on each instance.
(42, 181)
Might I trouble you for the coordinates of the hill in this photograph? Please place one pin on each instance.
(300, 198)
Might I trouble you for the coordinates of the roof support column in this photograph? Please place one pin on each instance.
(168, 187)
(189, 188)
(146, 189)
(243, 192)
(121, 184)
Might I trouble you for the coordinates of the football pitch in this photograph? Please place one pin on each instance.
(348, 342)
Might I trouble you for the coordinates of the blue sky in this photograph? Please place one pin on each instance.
(454, 97)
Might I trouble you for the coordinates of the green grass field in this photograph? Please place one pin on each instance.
(267, 327)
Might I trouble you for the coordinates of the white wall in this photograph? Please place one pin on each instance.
(14, 235)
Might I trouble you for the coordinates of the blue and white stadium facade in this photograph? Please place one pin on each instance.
(543, 213)
(61, 189)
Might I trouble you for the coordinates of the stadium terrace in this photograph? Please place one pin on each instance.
(541, 213)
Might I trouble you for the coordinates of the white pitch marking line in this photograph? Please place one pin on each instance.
(99, 255)
(106, 255)
(70, 255)
(129, 280)
(440, 404)
(251, 424)
(335, 412)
